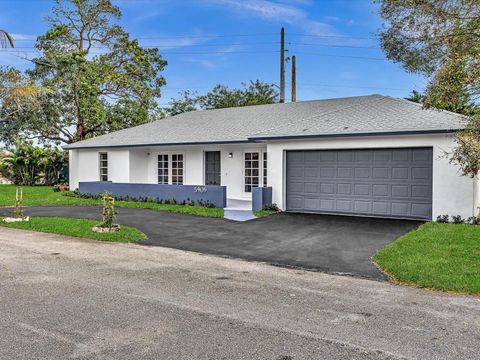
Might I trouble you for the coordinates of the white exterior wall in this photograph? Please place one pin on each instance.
(452, 193)
(139, 165)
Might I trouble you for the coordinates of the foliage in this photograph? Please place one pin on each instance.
(5, 39)
(108, 211)
(100, 80)
(44, 196)
(31, 165)
(80, 228)
(415, 96)
(457, 219)
(256, 93)
(18, 96)
(443, 218)
(147, 199)
(436, 256)
(272, 207)
(441, 40)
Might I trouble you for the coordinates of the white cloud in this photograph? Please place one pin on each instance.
(286, 11)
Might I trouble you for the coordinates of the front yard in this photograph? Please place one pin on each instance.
(77, 228)
(45, 196)
(435, 256)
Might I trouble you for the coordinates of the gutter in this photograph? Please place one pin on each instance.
(255, 139)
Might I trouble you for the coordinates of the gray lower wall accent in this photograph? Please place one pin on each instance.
(217, 195)
(261, 196)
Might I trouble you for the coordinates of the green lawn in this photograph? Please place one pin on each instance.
(436, 256)
(78, 228)
(44, 195)
(262, 213)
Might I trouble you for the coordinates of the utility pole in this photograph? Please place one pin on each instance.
(294, 79)
(282, 65)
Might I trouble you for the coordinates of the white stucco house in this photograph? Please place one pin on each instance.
(367, 156)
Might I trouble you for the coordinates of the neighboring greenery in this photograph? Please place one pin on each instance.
(77, 228)
(256, 93)
(437, 256)
(440, 39)
(45, 196)
(31, 165)
(97, 79)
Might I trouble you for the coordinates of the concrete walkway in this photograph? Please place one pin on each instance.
(66, 298)
(333, 244)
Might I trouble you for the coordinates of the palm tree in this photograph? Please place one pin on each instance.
(5, 39)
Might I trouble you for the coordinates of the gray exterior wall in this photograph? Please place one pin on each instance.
(217, 195)
(261, 196)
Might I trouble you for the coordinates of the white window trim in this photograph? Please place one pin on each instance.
(260, 168)
(100, 153)
(170, 153)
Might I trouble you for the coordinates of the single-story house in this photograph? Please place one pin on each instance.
(367, 155)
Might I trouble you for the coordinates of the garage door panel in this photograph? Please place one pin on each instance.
(382, 182)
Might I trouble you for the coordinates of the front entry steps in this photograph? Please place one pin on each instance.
(239, 215)
(239, 210)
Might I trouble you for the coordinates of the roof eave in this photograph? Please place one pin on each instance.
(353, 134)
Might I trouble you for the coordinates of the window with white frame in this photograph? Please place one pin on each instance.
(163, 169)
(177, 169)
(252, 170)
(103, 162)
(265, 169)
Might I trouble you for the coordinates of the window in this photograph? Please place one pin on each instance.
(163, 169)
(265, 169)
(252, 167)
(103, 159)
(177, 169)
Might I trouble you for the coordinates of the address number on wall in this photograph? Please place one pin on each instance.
(200, 189)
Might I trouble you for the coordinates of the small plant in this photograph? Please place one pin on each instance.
(457, 219)
(108, 215)
(272, 207)
(18, 209)
(473, 220)
(443, 218)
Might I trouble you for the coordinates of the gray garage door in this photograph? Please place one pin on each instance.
(379, 182)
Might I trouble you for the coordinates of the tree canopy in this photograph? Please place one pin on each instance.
(99, 79)
(255, 93)
(440, 39)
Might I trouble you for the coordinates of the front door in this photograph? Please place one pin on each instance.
(212, 168)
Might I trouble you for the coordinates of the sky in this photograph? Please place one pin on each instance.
(208, 42)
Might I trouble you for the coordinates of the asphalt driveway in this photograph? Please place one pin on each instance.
(332, 244)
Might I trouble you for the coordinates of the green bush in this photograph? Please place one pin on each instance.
(32, 165)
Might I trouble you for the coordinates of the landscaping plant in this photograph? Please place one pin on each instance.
(108, 215)
(18, 209)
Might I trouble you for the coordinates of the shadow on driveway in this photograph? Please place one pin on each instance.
(327, 243)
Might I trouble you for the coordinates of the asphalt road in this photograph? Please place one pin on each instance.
(66, 298)
(327, 243)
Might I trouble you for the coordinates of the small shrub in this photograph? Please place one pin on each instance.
(108, 212)
(457, 219)
(473, 220)
(18, 208)
(443, 218)
(272, 207)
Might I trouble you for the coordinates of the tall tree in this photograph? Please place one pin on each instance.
(100, 79)
(256, 93)
(440, 39)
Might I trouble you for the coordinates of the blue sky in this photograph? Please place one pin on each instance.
(231, 41)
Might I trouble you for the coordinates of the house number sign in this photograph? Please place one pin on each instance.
(200, 189)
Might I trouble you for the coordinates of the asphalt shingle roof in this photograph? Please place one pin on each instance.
(342, 117)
